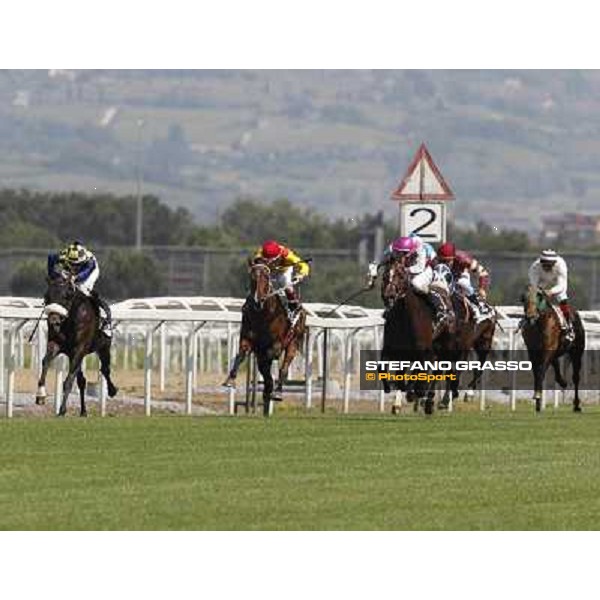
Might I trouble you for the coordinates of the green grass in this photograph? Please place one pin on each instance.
(453, 472)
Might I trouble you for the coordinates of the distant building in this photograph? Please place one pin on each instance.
(571, 229)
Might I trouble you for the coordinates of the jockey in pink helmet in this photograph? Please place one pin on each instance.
(419, 255)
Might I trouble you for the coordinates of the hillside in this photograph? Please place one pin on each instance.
(512, 144)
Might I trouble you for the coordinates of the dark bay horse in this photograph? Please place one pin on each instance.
(73, 329)
(543, 336)
(408, 332)
(470, 335)
(267, 332)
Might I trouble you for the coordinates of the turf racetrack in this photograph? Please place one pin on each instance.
(457, 472)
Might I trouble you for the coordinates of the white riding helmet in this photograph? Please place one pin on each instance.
(548, 256)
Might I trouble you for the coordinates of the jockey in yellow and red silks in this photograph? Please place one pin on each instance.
(287, 270)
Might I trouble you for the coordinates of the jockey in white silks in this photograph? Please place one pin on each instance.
(549, 272)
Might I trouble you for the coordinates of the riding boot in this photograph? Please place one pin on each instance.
(477, 307)
(106, 325)
(440, 310)
(566, 311)
(293, 303)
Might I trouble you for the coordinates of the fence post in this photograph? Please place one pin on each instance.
(325, 366)
(310, 340)
(2, 364)
(10, 379)
(148, 372)
(58, 382)
(163, 358)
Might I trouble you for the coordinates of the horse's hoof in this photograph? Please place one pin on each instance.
(577, 409)
(395, 410)
(443, 405)
(112, 391)
(83, 414)
(229, 383)
(61, 413)
(428, 408)
(40, 400)
(538, 405)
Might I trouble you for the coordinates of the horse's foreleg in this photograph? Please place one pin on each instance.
(81, 383)
(74, 367)
(264, 366)
(52, 351)
(539, 373)
(243, 352)
(288, 357)
(576, 362)
(558, 375)
(104, 356)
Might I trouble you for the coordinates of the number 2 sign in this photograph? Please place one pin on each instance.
(426, 219)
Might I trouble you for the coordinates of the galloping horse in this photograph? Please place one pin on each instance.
(470, 335)
(267, 332)
(545, 343)
(73, 329)
(408, 331)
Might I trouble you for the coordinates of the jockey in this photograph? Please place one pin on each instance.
(389, 253)
(549, 272)
(287, 271)
(421, 273)
(461, 265)
(79, 262)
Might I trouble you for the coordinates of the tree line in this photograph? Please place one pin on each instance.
(48, 220)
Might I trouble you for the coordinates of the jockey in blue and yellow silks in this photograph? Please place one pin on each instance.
(76, 260)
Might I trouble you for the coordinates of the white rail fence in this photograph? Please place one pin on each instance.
(191, 338)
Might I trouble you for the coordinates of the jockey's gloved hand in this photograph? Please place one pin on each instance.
(373, 270)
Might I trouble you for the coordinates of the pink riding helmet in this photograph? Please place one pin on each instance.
(404, 245)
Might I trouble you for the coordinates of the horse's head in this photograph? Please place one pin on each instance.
(261, 287)
(59, 298)
(395, 282)
(534, 301)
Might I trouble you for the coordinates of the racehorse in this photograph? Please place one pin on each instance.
(266, 331)
(408, 332)
(74, 330)
(543, 336)
(470, 335)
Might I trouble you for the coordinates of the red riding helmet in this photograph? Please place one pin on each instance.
(271, 250)
(447, 251)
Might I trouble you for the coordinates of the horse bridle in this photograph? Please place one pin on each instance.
(399, 291)
(260, 266)
(55, 308)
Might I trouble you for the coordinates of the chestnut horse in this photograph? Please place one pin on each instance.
(267, 332)
(543, 336)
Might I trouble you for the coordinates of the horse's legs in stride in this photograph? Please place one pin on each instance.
(243, 351)
(81, 382)
(558, 375)
(264, 366)
(539, 372)
(74, 367)
(104, 356)
(288, 357)
(576, 362)
(51, 353)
